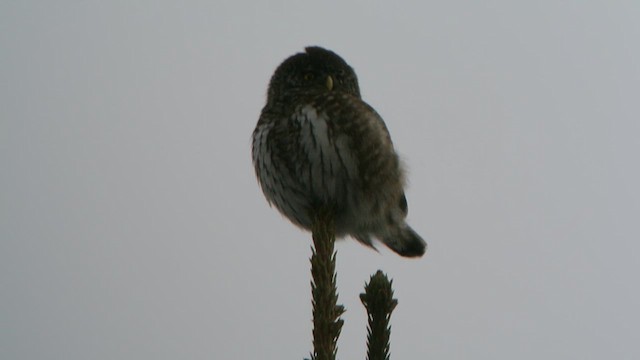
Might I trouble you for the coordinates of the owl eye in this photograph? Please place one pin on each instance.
(308, 76)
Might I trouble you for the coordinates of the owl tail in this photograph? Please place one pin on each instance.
(404, 241)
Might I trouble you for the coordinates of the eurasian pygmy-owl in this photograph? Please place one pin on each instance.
(318, 145)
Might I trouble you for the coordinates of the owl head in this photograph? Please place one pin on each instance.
(312, 72)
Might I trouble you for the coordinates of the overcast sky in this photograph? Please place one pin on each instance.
(132, 226)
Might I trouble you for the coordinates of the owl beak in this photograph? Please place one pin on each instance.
(329, 83)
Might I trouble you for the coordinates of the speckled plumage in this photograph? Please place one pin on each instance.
(318, 145)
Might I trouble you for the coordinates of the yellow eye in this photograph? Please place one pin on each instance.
(308, 76)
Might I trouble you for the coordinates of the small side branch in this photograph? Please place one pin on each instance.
(379, 302)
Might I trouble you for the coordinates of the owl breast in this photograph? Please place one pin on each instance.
(306, 162)
(330, 169)
(333, 152)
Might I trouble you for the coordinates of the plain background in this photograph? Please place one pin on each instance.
(132, 226)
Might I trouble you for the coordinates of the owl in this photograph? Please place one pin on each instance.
(318, 145)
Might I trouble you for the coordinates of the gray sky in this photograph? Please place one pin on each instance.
(132, 227)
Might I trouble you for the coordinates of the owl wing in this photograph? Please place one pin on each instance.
(403, 205)
(378, 165)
